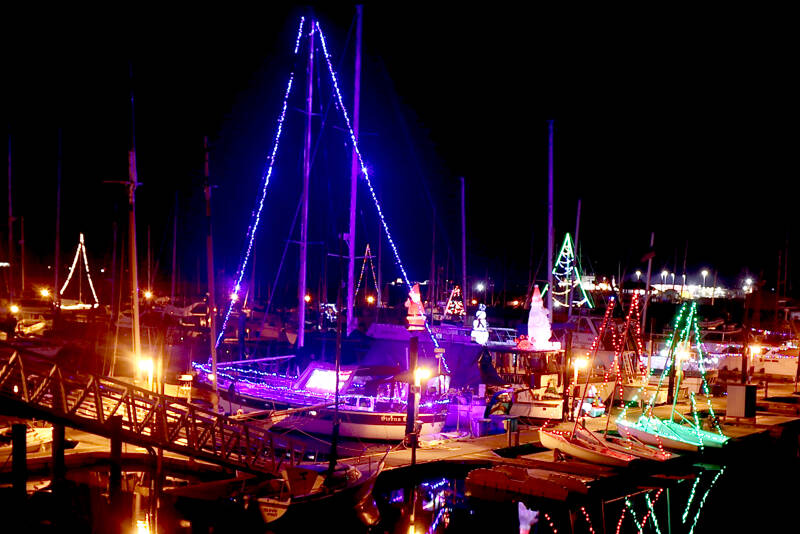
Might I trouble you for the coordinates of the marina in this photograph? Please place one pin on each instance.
(365, 292)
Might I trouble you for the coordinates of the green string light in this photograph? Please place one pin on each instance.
(696, 422)
(691, 498)
(652, 514)
(703, 500)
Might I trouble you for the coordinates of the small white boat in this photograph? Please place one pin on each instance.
(585, 447)
(669, 434)
(630, 445)
(36, 439)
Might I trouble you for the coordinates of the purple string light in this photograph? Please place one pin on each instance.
(251, 230)
(365, 173)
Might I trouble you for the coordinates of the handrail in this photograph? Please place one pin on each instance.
(42, 387)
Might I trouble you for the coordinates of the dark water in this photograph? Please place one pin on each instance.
(753, 490)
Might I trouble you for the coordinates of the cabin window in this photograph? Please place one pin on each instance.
(365, 403)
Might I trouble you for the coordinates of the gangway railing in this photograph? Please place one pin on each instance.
(32, 385)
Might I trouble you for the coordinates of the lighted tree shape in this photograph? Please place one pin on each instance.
(455, 305)
(80, 253)
(568, 276)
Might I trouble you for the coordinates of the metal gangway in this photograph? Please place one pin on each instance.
(35, 386)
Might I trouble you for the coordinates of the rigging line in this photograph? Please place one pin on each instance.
(414, 156)
(283, 257)
(365, 173)
(251, 231)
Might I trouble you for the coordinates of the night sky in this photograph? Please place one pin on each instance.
(689, 134)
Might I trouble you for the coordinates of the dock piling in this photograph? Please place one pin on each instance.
(19, 461)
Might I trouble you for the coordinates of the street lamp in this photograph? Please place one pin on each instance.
(638, 274)
(664, 274)
(480, 286)
(704, 273)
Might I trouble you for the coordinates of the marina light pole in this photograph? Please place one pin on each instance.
(704, 273)
(354, 171)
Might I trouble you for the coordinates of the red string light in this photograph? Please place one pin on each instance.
(589, 521)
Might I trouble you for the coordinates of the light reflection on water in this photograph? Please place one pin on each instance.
(740, 497)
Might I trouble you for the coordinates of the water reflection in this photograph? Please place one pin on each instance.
(743, 496)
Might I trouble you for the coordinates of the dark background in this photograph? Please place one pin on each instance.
(685, 130)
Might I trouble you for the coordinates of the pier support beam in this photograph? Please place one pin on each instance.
(115, 474)
(59, 471)
(19, 462)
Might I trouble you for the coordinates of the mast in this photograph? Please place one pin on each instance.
(174, 251)
(57, 260)
(10, 228)
(132, 183)
(380, 274)
(212, 304)
(301, 285)
(432, 281)
(575, 261)
(354, 170)
(22, 255)
(647, 285)
(463, 247)
(550, 231)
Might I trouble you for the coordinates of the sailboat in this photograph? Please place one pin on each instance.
(683, 433)
(581, 443)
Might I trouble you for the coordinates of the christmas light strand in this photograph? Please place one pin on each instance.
(651, 512)
(365, 174)
(588, 519)
(691, 498)
(550, 522)
(703, 500)
(633, 514)
(81, 249)
(565, 270)
(251, 230)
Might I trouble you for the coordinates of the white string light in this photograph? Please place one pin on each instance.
(365, 173)
(81, 248)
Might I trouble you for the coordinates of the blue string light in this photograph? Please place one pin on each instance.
(365, 173)
(251, 230)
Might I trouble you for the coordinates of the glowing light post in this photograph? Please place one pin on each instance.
(664, 274)
(704, 273)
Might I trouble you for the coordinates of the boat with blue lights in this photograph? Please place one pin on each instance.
(372, 402)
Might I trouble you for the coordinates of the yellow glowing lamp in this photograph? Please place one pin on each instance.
(14, 308)
(307, 298)
(420, 374)
(580, 363)
(44, 292)
(148, 295)
(370, 299)
(146, 365)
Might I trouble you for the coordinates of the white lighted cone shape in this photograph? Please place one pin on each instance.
(539, 324)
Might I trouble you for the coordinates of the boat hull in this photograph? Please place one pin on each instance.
(669, 434)
(373, 426)
(596, 454)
